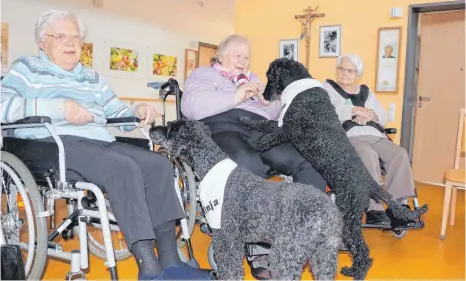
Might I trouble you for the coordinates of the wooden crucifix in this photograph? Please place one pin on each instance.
(306, 19)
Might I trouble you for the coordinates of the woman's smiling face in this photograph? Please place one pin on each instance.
(236, 58)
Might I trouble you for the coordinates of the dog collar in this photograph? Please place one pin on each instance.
(292, 90)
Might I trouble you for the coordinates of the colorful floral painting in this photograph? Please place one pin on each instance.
(87, 54)
(164, 65)
(124, 59)
(4, 44)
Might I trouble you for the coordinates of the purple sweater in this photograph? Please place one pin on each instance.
(207, 93)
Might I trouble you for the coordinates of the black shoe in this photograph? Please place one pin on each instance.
(260, 267)
(377, 218)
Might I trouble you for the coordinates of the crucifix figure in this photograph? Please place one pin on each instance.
(306, 19)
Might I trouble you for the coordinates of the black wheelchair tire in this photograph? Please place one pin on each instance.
(40, 258)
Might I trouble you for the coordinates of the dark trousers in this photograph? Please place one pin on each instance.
(139, 183)
(228, 133)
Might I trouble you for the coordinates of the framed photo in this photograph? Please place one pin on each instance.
(190, 62)
(330, 41)
(123, 60)
(388, 59)
(289, 48)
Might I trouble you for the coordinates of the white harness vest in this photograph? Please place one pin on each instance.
(292, 90)
(211, 190)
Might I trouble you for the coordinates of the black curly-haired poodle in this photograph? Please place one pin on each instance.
(309, 121)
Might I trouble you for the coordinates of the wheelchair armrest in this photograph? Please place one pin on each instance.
(390, 131)
(31, 120)
(119, 120)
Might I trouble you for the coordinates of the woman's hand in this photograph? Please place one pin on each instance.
(246, 91)
(146, 113)
(260, 96)
(364, 113)
(76, 114)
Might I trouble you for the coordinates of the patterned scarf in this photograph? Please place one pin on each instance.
(238, 80)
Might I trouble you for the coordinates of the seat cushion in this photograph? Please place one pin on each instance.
(455, 175)
(38, 156)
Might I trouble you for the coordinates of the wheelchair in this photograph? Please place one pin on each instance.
(190, 193)
(34, 176)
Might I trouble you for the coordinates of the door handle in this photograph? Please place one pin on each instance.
(421, 98)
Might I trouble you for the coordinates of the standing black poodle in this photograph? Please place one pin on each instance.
(309, 121)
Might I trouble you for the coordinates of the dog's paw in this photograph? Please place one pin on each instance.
(423, 209)
(248, 122)
(347, 271)
(257, 145)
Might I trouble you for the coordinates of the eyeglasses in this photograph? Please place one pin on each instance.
(347, 70)
(62, 38)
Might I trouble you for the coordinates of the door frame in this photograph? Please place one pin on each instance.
(409, 91)
(202, 44)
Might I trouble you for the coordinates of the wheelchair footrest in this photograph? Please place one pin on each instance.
(257, 249)
(410, 225)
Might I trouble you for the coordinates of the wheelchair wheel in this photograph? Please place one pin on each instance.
(95, 238)
(186, 182)
(21, 206)
(211, 258)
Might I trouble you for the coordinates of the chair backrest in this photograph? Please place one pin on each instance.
(460, 139)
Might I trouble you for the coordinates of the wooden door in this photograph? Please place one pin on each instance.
(205, 53)
(440, 94)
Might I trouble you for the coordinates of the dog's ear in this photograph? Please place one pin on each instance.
(158, 135)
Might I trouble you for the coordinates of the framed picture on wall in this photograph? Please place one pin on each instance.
(164, 65)
(190, 62)
(330, 41)
(91, 53)
(388, 59)
(123, 60)
(289, 48)
(4, 44)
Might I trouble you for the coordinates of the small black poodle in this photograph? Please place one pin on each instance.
(253, 209)
(308, 120)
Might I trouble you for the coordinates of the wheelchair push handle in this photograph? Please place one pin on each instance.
(170, 87)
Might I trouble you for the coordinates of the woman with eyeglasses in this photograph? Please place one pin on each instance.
(138, 182)
(364, 119)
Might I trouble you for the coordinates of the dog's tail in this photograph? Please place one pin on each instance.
(379, 194)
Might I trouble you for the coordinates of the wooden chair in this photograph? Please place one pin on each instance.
(454, 178)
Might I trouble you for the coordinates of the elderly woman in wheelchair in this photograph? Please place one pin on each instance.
(363, 118)
(139, 183)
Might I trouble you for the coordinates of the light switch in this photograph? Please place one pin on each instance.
(391, 112)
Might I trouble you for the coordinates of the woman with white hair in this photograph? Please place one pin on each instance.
(363, 118)
(139, 182)
(219, 94)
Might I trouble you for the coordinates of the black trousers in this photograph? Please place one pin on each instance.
(139, 183)
(228, 133)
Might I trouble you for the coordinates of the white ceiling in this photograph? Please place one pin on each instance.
(218, 9)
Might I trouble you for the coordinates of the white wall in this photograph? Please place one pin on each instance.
(164, 29)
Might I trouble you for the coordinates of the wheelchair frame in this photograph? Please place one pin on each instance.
(76, 191)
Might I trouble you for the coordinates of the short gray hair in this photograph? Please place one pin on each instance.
(223, 46)
(49, 17)
(355, 59)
